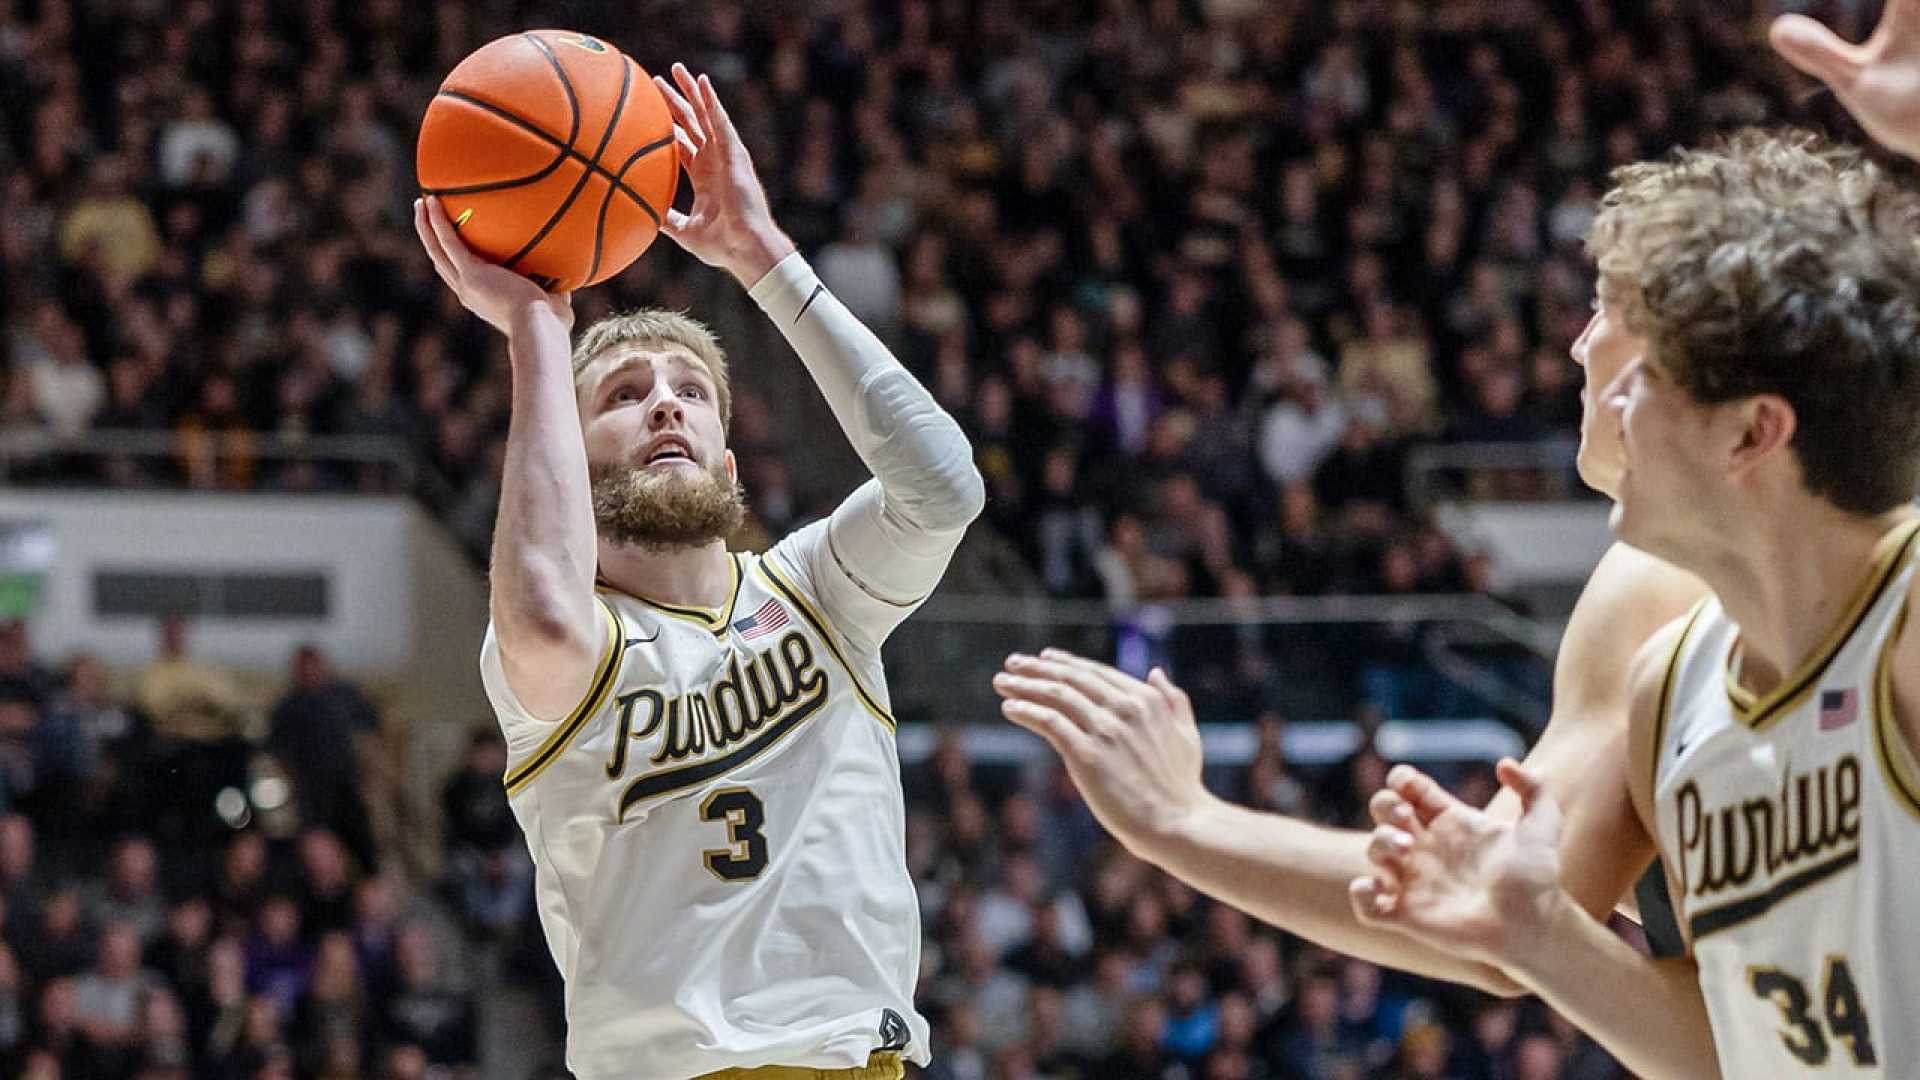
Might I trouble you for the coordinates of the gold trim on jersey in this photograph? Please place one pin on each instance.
(780, 584)
(597, 691)
(1897, 763)
(1666, 689)
(1757, 711)
(714, 620)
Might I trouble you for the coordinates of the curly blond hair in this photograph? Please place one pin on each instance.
(1776, 262)
(658, 326)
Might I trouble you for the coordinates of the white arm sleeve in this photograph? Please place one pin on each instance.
(892, 537)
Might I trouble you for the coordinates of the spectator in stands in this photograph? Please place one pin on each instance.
(419, 1009)
(107, 999)
(131, 894)
(326, 732)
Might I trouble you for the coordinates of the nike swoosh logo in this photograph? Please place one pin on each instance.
(632, 641)
(811, 297)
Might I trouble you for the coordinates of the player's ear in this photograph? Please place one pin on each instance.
(733, 468)
(1766, 427)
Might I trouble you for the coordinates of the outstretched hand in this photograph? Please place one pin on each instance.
(1457, 878)
(1878, 81)
(1131, 747)
(490, 291)
(729, 225)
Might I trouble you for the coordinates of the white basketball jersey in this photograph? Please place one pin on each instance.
(1790, 827)
(719, 835)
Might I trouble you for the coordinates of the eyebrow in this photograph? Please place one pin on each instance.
(692, 364)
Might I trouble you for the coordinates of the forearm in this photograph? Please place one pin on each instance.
(1294, 875)
(1647, 1012)
(912, 447)
(543, 547)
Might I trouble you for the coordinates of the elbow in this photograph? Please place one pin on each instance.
(955, 495)
(970, 492)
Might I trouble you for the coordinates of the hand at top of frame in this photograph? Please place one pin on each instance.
(729, 225)
(1878, 81)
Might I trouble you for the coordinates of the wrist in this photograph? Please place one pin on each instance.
(1535, 941)
(760, 251)
(528, 318)
(1178, 826)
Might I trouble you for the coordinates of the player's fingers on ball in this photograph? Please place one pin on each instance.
(684, 144)
(430, 240)
(454, 248)
(689, 90)
(716, 111)
(686, 123)
(683, 111)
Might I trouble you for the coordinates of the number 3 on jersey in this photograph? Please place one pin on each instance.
(744, 814)
(1845, 1016)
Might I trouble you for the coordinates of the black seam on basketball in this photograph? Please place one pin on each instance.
(600, 222)
(573, 101)
(606, 200)
(619, 103)
(550, 139)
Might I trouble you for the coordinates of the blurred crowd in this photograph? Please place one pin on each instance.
(189, 888)
(1197, 274)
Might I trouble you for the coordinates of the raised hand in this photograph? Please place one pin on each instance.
(1131, 747)
(729, 225)
(1457, 878)
(488, 290)
(1878, 81)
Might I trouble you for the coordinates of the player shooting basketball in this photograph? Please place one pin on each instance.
(702, 752)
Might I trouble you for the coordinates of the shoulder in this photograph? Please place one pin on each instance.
(1630, 600)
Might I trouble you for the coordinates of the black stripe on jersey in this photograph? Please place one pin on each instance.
(660, 783)
(1657, 919)
(1720, 918)
(603, 681)
(779, 582)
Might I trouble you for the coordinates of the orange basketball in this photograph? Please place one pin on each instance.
(553, 153)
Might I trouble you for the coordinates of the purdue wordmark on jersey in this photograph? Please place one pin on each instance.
(719, 836)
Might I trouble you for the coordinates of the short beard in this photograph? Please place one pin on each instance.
(670, 508)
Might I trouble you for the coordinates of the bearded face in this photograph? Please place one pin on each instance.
(662, 506)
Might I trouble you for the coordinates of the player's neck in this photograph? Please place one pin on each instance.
(1786, 579)
(698, 576)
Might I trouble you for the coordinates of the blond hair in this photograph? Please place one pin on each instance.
(1775, 262)
(657, 326)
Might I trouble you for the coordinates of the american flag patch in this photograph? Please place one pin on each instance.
(769, 618)
(1838, 708)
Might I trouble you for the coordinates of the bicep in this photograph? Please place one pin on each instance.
(542, 677)
(1604, 848)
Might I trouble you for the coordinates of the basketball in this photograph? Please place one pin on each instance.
(553, 153)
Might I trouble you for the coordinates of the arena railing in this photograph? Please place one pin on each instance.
(1529, 471)
(26, 448)
(1326, 658)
